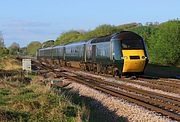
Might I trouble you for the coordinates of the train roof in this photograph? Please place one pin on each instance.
(127, 34)
(102, 39)
(107, 38)
(46, 48)
(76, 43)
(59, 46)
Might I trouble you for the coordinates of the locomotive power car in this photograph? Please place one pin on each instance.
(122, 53)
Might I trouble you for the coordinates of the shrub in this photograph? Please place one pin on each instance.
(165, 44)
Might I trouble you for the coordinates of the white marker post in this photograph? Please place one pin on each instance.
(26, 65)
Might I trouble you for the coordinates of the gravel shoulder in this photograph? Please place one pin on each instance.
(120, 107)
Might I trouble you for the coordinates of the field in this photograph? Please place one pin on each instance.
(30, 98)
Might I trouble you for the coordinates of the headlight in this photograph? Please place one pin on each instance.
(124, 57)
(143, 57)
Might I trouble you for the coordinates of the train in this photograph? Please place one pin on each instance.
(119, 54)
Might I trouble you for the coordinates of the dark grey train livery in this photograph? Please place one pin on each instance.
(119, 53)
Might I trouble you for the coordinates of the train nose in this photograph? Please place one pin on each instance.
(133, 66)
(134, 61)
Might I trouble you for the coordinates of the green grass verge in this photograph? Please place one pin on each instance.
(162, 71)
(35, 102)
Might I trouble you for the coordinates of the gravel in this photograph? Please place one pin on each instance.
(121, 107)
(108, 79)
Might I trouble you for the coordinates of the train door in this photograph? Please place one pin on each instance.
(64, 53)
(111, 50)
(93, 53)
(84, 53)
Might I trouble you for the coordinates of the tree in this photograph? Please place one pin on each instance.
(165, 43)
(128, 26)
(104, 30)
(1, 40)
(67, 37)
(14, 48)
(48, 43)
(23, 51)
(145, 32)
(33, 47)
(3, 50)
(73, 36)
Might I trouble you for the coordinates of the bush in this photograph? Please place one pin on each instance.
(33, 47)
(162, 41)
(67, 37)
(3, 52)
(145, 32)
(165, 44)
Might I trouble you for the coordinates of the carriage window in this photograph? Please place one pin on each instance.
(132, 44)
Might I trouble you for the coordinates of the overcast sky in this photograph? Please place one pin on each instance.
(23, 21)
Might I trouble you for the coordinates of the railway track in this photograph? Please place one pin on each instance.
(161, 97)
(155, 86)
(161, 82)
(167, 87)
(164, 104)
(168, 105)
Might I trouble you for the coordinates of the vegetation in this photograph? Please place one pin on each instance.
(33, 47)
(1, 40)
(14, 48)
(31, 98)
(162, 40)
(3, 50)
(155, 70)
(9, 63)
(48, 43)
(67, 37)
(36, 102)
(165, 43)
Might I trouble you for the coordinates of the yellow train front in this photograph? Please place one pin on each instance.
(130, 53)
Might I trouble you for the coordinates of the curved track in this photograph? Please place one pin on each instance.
(164, 104)
(167, 107)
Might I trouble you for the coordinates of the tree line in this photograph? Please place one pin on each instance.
(162, 40)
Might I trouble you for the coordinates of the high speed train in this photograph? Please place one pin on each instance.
(122, 53)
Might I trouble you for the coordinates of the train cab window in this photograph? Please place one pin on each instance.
(131, 44)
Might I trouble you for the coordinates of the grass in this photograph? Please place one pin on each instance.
(9, 63)
(36, 102)
(3, 93)
(162, 71)
(24, 101)
(93, 110)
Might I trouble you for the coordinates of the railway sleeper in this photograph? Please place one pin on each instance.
(134, 100)
(166, 98)
(147, 100)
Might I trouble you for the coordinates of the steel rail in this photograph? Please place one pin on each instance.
(145, 102)
(175, 85)
(166, 98)
(131, 98)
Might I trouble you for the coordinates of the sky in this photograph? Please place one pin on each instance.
(23, 21)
